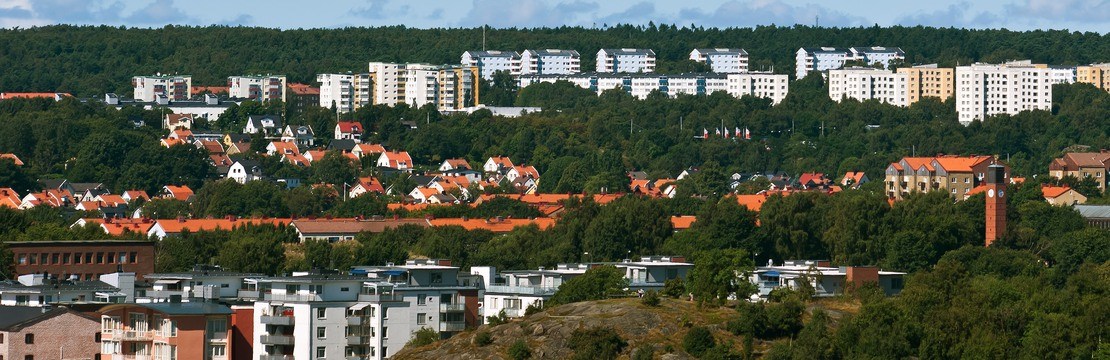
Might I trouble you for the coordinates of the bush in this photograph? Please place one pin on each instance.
(596, 343)
(645, 352)
(519, 350)
(596, 284)
(675, 288)
(651, 298)
(498, 319)
(751, 320)
(698, 341)
(534, 308)
(784, 319)
(483, 338)
(422, 337)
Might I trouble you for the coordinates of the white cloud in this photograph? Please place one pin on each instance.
(955, 15)
(526, 13)
(1090, 11)
(159, 12)
(765, 12)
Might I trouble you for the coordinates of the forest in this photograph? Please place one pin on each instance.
(89, 61)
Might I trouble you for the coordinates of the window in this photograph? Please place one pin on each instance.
(22, 259)
(1, 338)
(321, 313)
(217, 351)
(134, 257)
(88, 258)
(385, 334)
(321, 352)
(65, 258)
(321, 332)
(421, 318)
(344, 289)
(99, 258)
(29, 357)
(34, 259)
(54, 259)
(421, 299)
(29, 338)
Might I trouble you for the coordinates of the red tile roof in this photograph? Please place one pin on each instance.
(349, 127)
(116, 227)
(31, 95)
(494, 225)
(9, 198)
(458, 163)
(14, 158)
(178, 192)
(171, 226)
(1054, 191)
(136, 194)
(303, 89)
(683, 222)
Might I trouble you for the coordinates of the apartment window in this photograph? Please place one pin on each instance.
(29, 338)
(217, 351)
(437, 278)
(321, 313)
(43, 259)
(112, 258)
(99, 258)
(344, 289)
(34, 259)
(134, 258)
(22, 259)
(385, 334)
(321, 332)
(29, 357)
(421, 318)
(54, 259)
(421, 299)
(88, 258)
(65, 258)
(321, 352)
(1, 338)
(122, 258)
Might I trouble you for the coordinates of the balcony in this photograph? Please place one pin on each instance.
(247, 294)
(127, 357)
(293, 297)
(276, 340)
(452, 307)
(275, 357)
(356, 340)
(515, 313)
(217, 337)
(133, 335)
(277, 320)
(354, 320)
(165, 294)
(522, 290)
(452, 326)
(381, 297)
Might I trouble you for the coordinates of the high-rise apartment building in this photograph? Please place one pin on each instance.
(172, 87)
(259, 88)
(863, 83)
(929, 81)
(490, 62)
(986, 89)
(550, 62)
(722, 60)
(625, 61)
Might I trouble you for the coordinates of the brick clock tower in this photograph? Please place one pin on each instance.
(996, 202)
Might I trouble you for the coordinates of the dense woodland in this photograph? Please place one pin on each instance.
(1040, 293)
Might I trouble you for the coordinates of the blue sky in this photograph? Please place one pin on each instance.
(1076, 15)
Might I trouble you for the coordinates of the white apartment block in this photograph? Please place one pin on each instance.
(986, 89)
(346, 92)
(172, 87)
(387, 81)
(489, 62)
(260, 88)
(514, 291)
(550, 62)
(370, 314)
(827, 58)
(863, 83)
(763, 85)
(722, 60)
(446, 87)
(625, 61)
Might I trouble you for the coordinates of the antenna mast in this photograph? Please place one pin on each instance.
(483, 37)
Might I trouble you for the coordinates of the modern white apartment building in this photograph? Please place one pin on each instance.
(764, 85)
(625, 61)
(257, 87)
(346, 92)
(447, 87)
(550, 62)
(489, 62)
(987, 89)
(387, 81)
(370, 314)
(172, 87)
(863, 83)
(827, 58)
(202, 283)
(722, 60)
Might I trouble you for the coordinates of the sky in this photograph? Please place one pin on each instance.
(1075, 15)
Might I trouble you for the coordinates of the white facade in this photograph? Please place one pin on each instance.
(172, 87)
(763, 85)
(828, 58)
(387, 83)
(722, 60)
(491, 61)
(550, 62)
(985, 89)
(244, 171)
(864, 84)
(625, 61)
(336, 90)
(261, 88)
(421, 85)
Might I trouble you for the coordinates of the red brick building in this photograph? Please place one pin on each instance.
(183, 331)
(29, 333)
(85, 259)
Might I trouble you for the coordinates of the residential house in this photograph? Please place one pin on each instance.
(264, 124)
(169, 87)
(454, 164)
(368, 150)
(497, 164)
(178, 121)
(300, 134)
(1062, 195)
(182, 193)
(1082, 165)
(490, 62)
(346, 229)
(239, 148)
(57, 333)
(825, 280)
(854, 179)
(173, 227)
(15, 159)
(288, 151)
(257, 87)
(421, 194)
(167, 330)
(349, 130)
(366, 185)
(87, 259)
(396, 159)
(522, 171)
(495, 225)
(9, 198)
(48, 197)
(683, 222)
(512, 292)
(550, 61)
(132, 195)
(230, 139)
(813, 180)
(118, 226)
(953, 174)
(245, 170)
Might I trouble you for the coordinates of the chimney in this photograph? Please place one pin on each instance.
(995, 203)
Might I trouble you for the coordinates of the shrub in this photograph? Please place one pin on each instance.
(422, 337)
(596, 343)
(534, 308)
(645, 352)
(498, 319)
(675, 288)
(483, 338)
(519, 350)
(698, 341)
(596, 284)
(751, 320)
(651, 298)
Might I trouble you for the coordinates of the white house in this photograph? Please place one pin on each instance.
(550, 61)
(489, 62)
(244, 170)
(265, 124)
(522, 171)
(497, 164)
(300, 134)
(625, 61)
(826, 280)
(349, 130)
(722, 60)
(396, 159)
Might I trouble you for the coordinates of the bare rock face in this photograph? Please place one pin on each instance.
(547, 333)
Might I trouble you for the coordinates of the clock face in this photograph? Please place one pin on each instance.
(1001, 193)
(990, 193)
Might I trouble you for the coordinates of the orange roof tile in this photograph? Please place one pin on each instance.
(349, 127)
(1053, 191)
(753, 202)
(137, 194)
(683, 222)
(960, 163)
(9, 198)
(31, 95)
(179, 192)
(303, 89)
(116, 227)
(494, 225)
(176, 226)
(14, 158)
